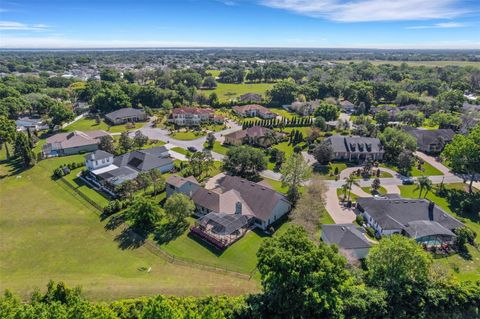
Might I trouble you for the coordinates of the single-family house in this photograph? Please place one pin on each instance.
(255, 135)
(30, 123)
(250, 98)
(431, 141)
(252, 110)
(416, 218)
(108, 172)
(262, 205)
(347, 106)
(72, 143)
(304, 108)
(355, 147)
(349, 238)
(126, 115)
(194, 116)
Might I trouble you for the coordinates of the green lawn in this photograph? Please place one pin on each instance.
(86, 124)
(427, 170)
(214, 73)
(469, 269)
(218, 148)
(227, 91)
(353, 197)
(47, 233)
(276, 185)
(368, 189)
(283, 113)
(241, 256)
(180, 150)
(187, 135)
(328, 171)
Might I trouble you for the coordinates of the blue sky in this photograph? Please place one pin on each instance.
(259, 23)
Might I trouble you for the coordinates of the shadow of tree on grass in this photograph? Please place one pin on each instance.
(131, 238)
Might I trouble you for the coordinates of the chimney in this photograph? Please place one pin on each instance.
(431, 206)
(238, 208)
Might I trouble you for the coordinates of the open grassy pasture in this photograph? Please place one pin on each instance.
(463, 268)
(48, 233)
(419, 63)
(85, 124)
(229, 91)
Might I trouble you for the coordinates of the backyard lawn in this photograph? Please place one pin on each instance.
(464, 269)
(85, 124)
(229, 91)
(48, 233)
(283, 113)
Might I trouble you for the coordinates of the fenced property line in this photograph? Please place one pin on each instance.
(156, 250)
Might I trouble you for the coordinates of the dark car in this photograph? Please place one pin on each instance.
(408, 181)
(192, 149)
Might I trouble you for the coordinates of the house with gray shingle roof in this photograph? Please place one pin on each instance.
(72, 143)
(262, 205)
(126, 115)
(350, 239)
(107, 171)
(430, 141)
(416, 218)
(355, 147)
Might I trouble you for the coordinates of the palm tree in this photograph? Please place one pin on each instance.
(345, 190)
(350, 181)
(423, 183)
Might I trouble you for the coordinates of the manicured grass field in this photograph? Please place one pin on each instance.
(49, 233)
(428, 170)
(368, 189)
(469, 269)
(85, 124)
(227, 91)
(353, 197)
(187, 135)
(219, 148)
(283, 113)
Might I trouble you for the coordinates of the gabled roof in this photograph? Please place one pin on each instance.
(427, 137)
(398, 213)
(254, 131)
(260, 199)
(355, 144)
(192, 110)
(141, 160)
(245, 108)
(250, 97)
(125, 112)
(179, 181)
(346, 236)
(74, 139)
(422, 228)
(98, 155)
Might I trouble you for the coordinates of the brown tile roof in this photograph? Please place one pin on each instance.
(192, 110)
(254, 131)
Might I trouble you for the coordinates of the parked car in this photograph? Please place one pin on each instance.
(408, 181)
(192, 149)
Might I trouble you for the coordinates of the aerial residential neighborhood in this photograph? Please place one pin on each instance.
(252, 167)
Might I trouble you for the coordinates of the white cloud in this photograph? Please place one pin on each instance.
(61, 42)
(14, 26)
(443, 25)
(371, 10)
